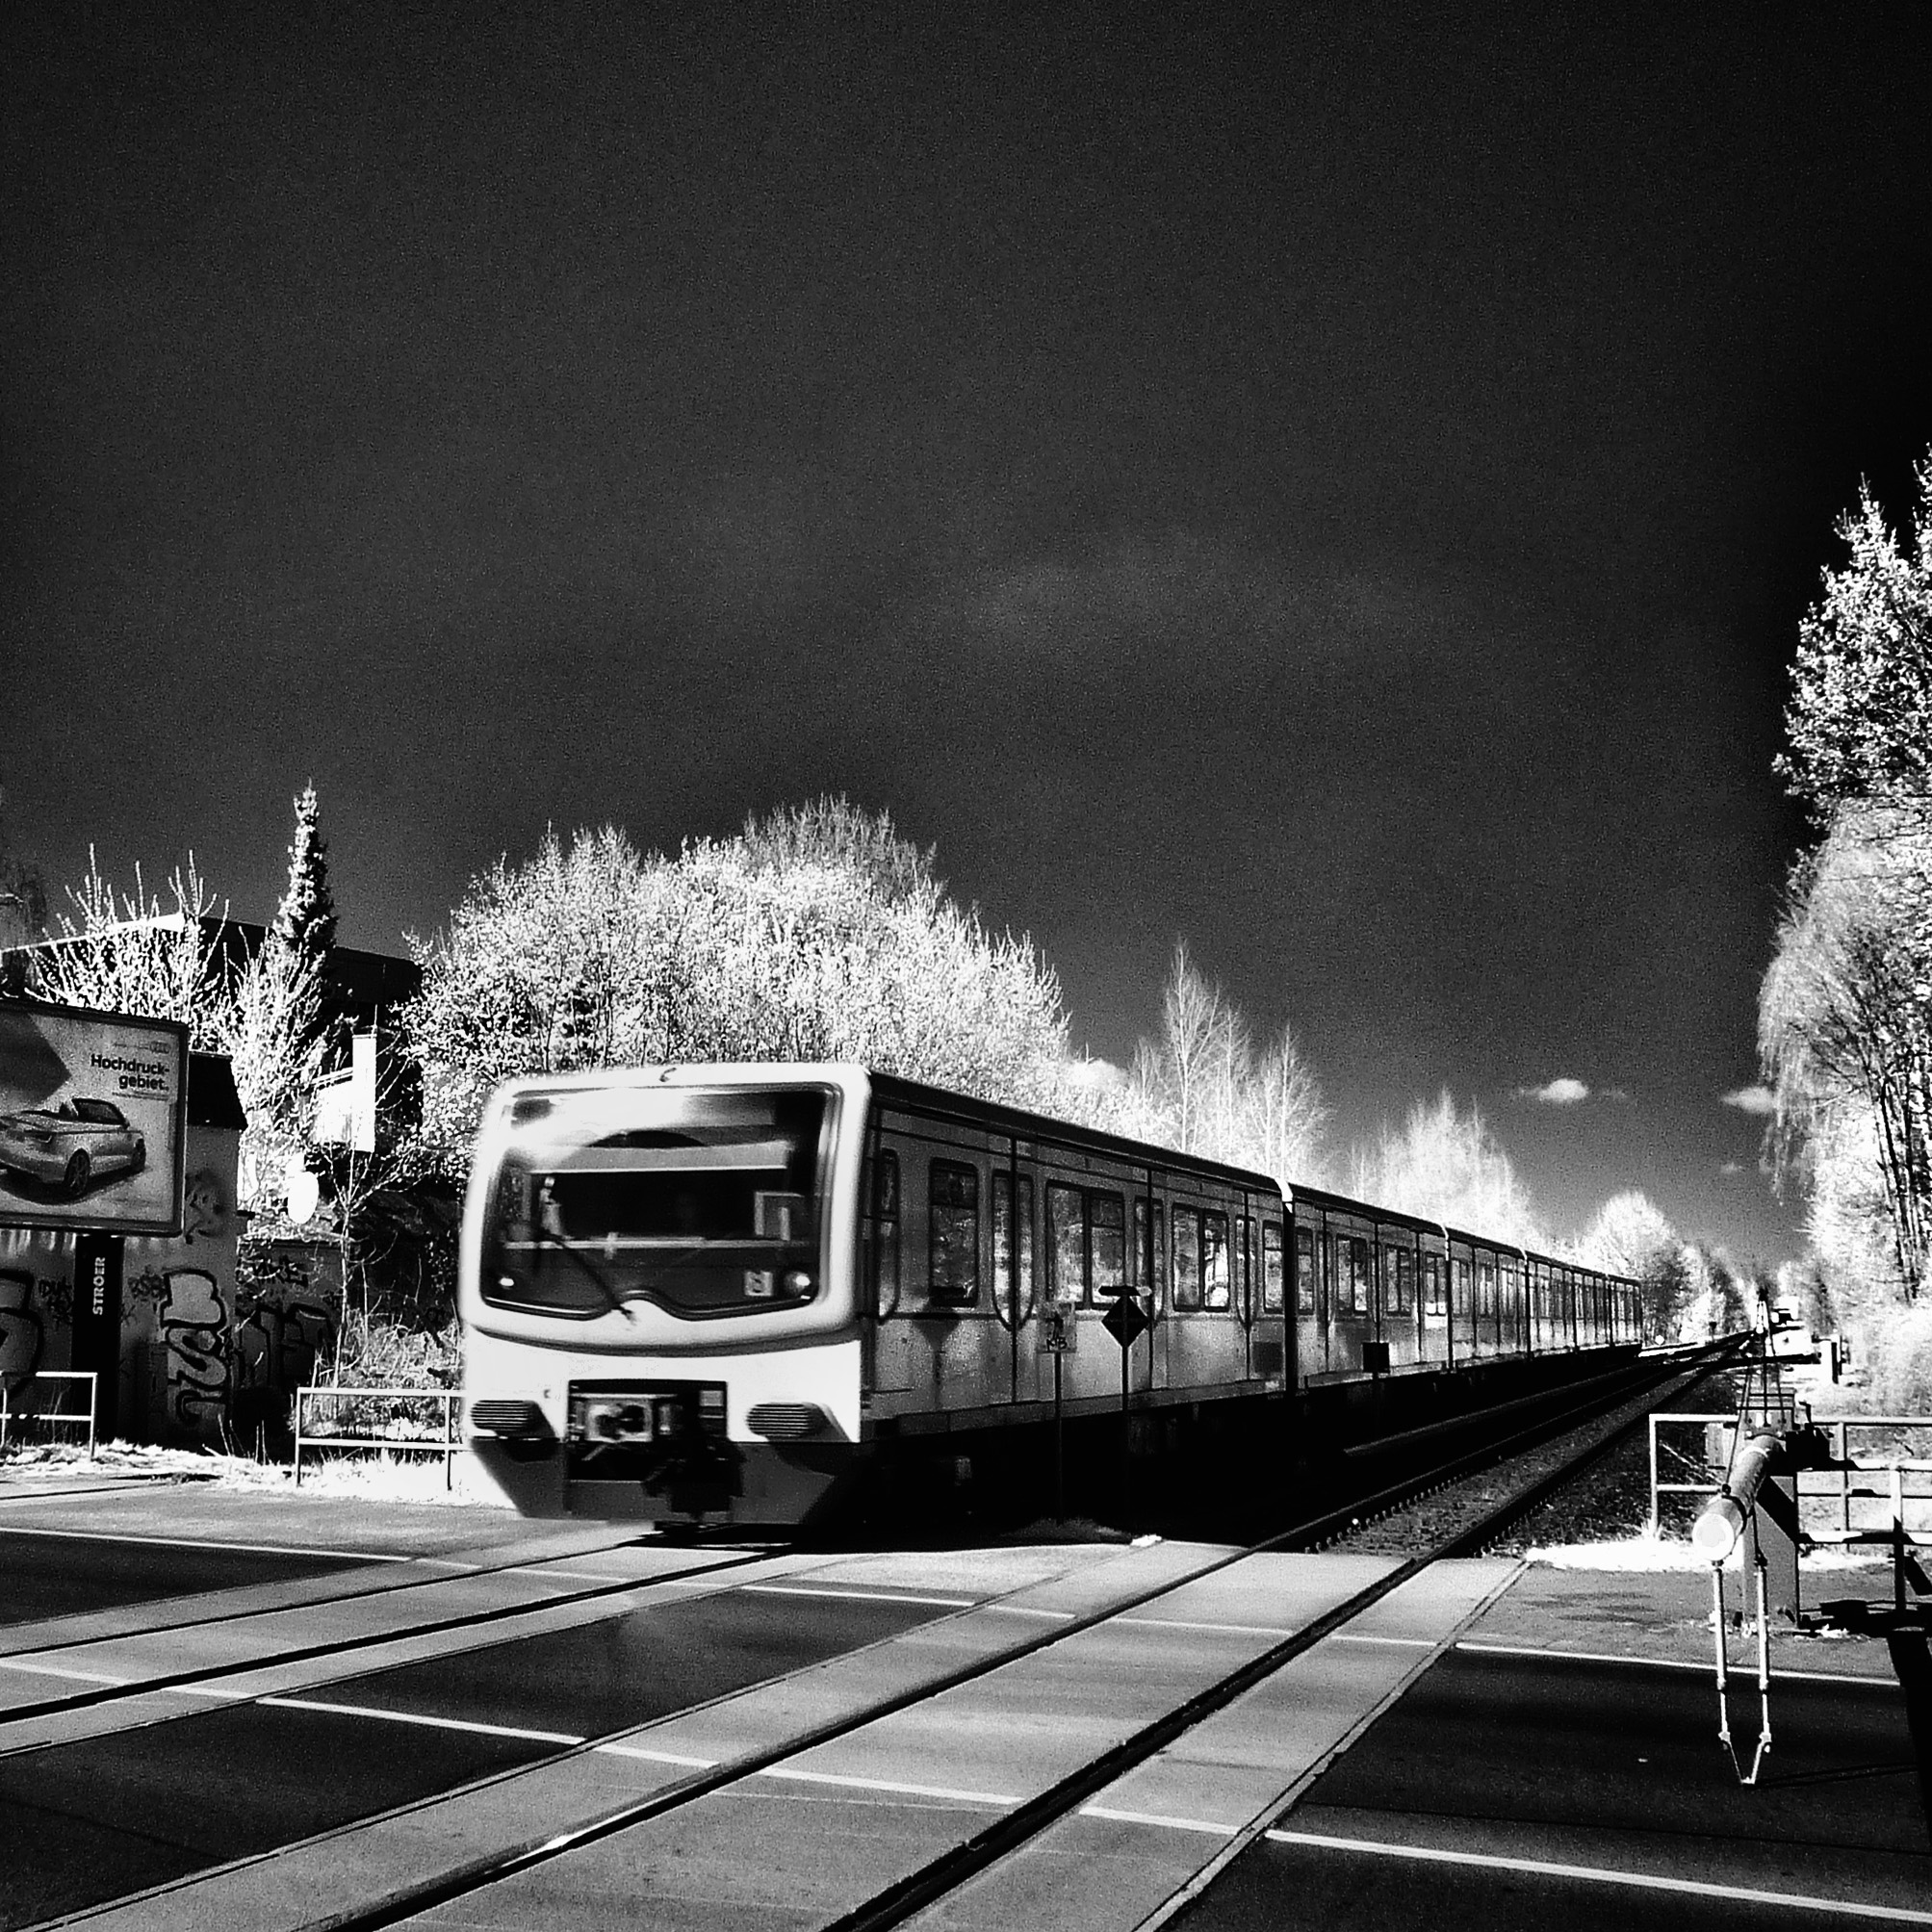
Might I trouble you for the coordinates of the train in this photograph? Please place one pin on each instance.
(736, 1294)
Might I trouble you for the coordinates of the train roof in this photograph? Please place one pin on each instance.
(1023, 1124)
(943, 1103)
(1423, 1223)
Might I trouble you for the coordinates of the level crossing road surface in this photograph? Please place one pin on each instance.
(1485, 1745)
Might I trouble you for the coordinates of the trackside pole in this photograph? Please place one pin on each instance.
(1127, 1445)
(1059, 1448)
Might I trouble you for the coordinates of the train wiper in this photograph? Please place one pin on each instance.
(570, 1248)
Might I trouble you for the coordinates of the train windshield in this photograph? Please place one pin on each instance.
(705, 1203)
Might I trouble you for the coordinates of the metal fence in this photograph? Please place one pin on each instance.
(1864, 1470)
(367, 1419)
(12, 1415)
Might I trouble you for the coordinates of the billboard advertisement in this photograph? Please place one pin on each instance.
(93, 1116)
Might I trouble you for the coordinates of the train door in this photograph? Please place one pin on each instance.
(1015, 1268)
(1311, 1330)
(890, 1336)
(1148, 1277)
(967, 1351)
(1399, 1295)
(1351, 1293)
(1273, 1330)
(1433, 1299)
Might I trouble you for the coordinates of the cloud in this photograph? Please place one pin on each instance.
(1732, 1168)
(1561, 1091)
(1751, 1100)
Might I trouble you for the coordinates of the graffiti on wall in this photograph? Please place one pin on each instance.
(193, 1326)
(287, 1310)
(22, 1335)
(204, 1205)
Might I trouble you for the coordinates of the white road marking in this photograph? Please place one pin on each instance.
(1158, 1819)
(204, 1691)
(855, 1596)
(412, 1718)
(655, 1757)
(1399, 1642)
(1003, 1799)
(1540, 1868)
(1228, 1629)
(55, 1670)
(1027, 1610)
(252, 1549)
(1779, 1674)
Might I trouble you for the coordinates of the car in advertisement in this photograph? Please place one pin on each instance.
(92, 1119)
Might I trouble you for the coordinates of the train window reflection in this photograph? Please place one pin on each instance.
(1139, 1272)
(1004, 1243)
(954, 1250)
(1187, 1257)
(1214, 1260)
(1067, 1241)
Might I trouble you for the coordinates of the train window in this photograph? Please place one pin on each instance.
(1399, 1287)
(1107, 1245)
(953, 1201)
(1462, 1286)
(884, 1200)
(1304, 1270)
(1434, 1278)
(1003, 1240)
(1360, 1279)
(1214, 1260)
(1139, 1263)
(1067, 1241)
(1186, 1256)
(1272, 1299)
(1486, 1288)
(1244, 1266)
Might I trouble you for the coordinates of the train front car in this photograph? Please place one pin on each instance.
(657, 1292)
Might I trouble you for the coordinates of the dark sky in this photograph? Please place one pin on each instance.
(1338, 491)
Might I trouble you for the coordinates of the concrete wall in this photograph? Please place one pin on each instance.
(210, 1345)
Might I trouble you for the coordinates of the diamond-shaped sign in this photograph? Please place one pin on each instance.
(1126, 1321)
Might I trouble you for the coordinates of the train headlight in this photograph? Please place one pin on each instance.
(798, 1283)
(788, 1420)
(508, 1419)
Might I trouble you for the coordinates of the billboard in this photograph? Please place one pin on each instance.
(93, 1118)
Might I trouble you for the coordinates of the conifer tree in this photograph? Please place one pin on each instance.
(305, 920)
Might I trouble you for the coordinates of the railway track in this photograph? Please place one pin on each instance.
(267, 1632)
(489, 1853)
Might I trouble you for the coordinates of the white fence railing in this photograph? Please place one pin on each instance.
(1853, 1478)
(380, 1419)
(11, 1414)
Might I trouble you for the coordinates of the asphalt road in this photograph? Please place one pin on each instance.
(1501, 1764)
(94, 1820)
(67, 1575)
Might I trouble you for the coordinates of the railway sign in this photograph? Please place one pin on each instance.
(1126, 1321)
(93, 1113)
(1059, 1331)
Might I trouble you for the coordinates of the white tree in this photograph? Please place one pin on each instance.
(1859, 720)
(1447, 1166)
(815, 934)
(1845, 1031)
(1200, 1086)
(1632, 1236)
(122, 952)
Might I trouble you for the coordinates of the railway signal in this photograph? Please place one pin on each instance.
(1126, 1321)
